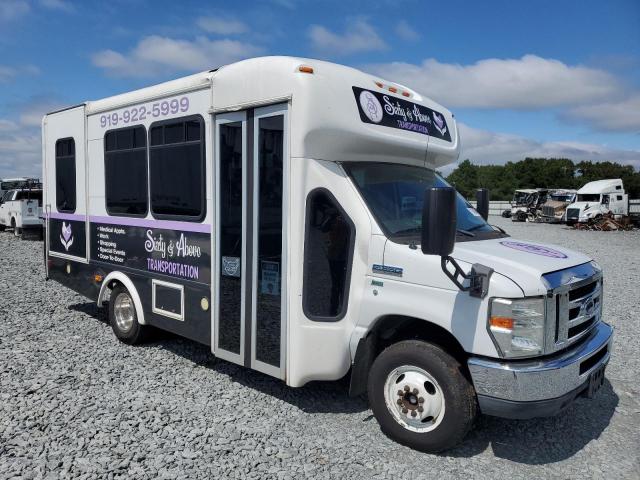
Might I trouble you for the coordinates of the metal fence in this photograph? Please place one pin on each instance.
(497, 207)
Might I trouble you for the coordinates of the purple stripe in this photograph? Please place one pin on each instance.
(162, 224)
(67, 216)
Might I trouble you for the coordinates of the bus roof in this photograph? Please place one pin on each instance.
(329, 123)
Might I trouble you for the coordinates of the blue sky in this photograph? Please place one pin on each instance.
(524, 78)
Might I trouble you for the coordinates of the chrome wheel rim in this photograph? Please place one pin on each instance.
(414, 398)
(124, 312)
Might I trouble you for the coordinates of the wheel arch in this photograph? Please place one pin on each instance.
(390, 329)
(111, 281)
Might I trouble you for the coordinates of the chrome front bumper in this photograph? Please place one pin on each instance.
(531, 388)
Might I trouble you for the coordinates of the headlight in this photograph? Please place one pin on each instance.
(518, 326)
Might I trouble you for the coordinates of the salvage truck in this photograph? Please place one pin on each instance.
(598, 198)
(287, 213)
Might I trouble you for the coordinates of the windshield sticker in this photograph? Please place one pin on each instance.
(380, 109)
(473, 212)
(535, 249)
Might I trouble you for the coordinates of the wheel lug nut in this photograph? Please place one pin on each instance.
(420, 409)
(406, 388)
(405, 410)
(399, 401)
(415, 391)
(400, 393)
(413, 413)
(420, 400)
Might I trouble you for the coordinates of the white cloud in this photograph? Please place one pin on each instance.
(155, 55)
(485, 147)
(7, 125)
(8, 73)
(20, 140)
(406, 31)
(622, 115)
(31, 114)
(530, 82)
(361, 37)
(222, 25)
(57, 5)
(12, 9)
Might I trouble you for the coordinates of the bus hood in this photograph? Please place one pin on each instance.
(522, 261)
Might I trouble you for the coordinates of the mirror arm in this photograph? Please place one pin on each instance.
(478, 278)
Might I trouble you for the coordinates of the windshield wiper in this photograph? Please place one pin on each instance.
(409, 230)
(465, 232)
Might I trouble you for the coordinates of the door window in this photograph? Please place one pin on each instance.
(328, 253)
(270, 170)
(231, 245)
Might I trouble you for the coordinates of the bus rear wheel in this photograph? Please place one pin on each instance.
(420, 397)
(123, 317)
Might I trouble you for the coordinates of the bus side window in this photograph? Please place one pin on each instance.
(328, 254)
(125, 171)
(66, 175)
(177, 169)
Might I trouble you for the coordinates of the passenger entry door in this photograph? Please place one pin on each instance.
(250, 262)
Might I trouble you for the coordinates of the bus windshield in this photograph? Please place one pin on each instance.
(395, 194)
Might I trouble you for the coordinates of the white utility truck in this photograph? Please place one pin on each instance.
(21, 210)
(599, 198)
(7, 184)
(287, 213)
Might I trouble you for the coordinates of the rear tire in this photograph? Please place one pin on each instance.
(124, 318)
(415, 377)
(3, 228)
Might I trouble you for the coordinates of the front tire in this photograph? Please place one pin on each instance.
(420, 396)
(124, 318)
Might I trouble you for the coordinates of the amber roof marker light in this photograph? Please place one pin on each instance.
(305, 69)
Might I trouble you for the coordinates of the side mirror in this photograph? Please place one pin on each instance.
(482, 205)
(439, 221)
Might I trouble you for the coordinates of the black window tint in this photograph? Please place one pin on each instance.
(174, 133)
(177, 171)
(125, 171)
(193, 131)
(66, 175)
(328, 253)
(156, 135)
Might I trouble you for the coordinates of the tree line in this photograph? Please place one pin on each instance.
(502, 180)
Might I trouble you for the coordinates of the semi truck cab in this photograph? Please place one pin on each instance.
(598, 198)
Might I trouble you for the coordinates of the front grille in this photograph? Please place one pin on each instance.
(574, 305)
(548, 211)
(578, 329)
(573, 213)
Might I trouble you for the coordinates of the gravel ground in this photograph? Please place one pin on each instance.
(74, 402)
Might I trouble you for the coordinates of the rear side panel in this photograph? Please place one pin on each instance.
(66, 227)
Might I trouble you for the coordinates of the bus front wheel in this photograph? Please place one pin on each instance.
(420, 397)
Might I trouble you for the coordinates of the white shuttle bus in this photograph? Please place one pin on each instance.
(287, 213)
